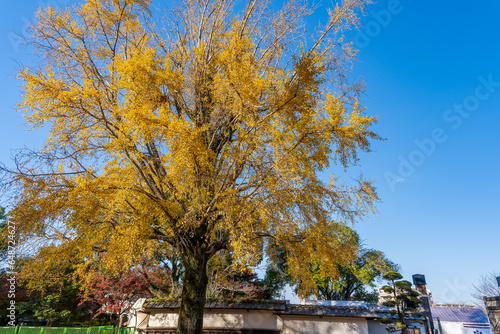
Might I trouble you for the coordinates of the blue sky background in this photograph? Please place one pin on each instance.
(420, 63)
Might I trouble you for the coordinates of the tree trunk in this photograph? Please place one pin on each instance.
(194, 288)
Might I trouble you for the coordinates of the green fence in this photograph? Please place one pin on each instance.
(66, 330)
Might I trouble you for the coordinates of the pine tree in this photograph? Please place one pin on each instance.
(404, 300)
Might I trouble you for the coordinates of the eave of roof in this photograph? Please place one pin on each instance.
(274, 305)
(337, 311)
(282, 308)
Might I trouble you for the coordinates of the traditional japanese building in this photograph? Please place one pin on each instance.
(273, 317)
(460, 319)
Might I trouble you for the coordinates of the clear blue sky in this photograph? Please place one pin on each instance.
(432, 74)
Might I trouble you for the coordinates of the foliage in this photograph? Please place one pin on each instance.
(54, 298)
(115, 292)
(351, 281)
(58, 304)
(277, 275)
(346, 239)
(3, 234)
(3, 216)
(486, 287)
(228, 282)
(193, 132)
(64, 297)
(56, 308)
(20, 295)
(354, 278)
(403, 299)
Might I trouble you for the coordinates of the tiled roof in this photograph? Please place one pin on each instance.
(271, 305)
(281, 307)
(338, 311)
(459, 314)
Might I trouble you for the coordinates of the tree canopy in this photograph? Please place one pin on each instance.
(354, 278)
(195, 129)
(351, 281)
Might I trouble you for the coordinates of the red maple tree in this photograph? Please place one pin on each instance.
(116, 292)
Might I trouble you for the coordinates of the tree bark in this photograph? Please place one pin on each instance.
(194, 288)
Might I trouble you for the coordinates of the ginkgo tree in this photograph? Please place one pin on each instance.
(196, 128)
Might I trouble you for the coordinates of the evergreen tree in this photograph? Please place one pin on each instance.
(404, 300)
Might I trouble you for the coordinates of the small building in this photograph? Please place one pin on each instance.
(493, 308)
(460, 319)
(267, 317)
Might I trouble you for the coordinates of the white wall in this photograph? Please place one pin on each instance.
(294, 324)
(219, 318)
(450, 327)
(375, 327)
(482, 330)
(263, 319)
(136, 318)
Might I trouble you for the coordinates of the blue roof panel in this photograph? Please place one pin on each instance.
(459, 314)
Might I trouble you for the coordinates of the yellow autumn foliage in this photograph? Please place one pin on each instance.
(200, 131)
